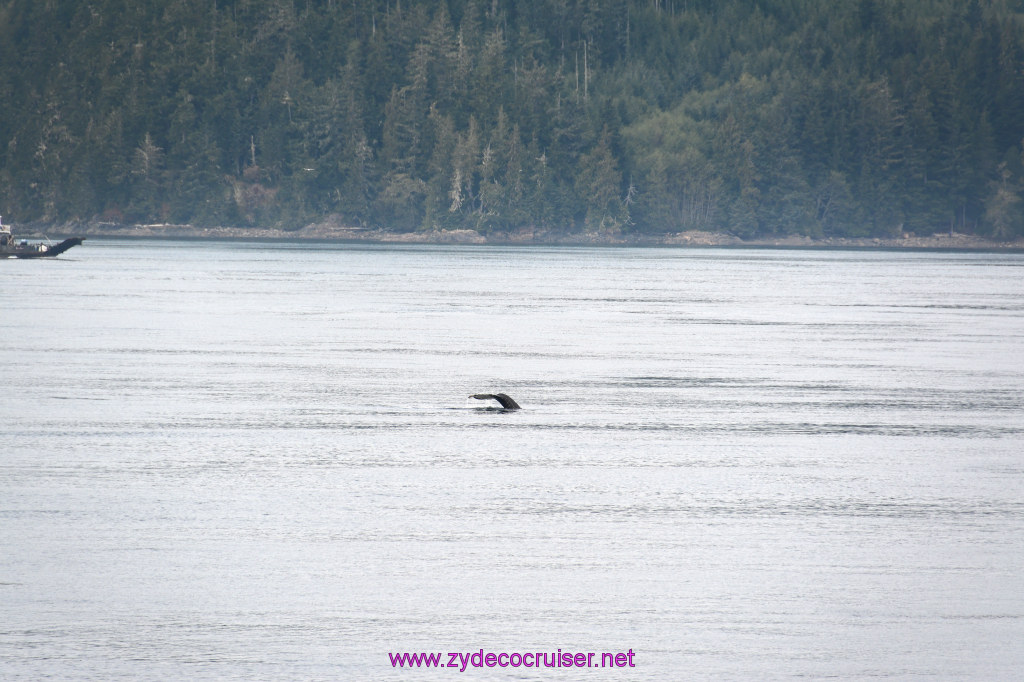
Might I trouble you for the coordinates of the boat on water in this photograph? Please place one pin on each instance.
(12, 248)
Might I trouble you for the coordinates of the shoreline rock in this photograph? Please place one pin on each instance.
(332, 230)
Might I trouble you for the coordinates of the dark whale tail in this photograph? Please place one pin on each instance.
(506, 402)
(64, 246)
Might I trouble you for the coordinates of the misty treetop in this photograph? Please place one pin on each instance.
(754, 117)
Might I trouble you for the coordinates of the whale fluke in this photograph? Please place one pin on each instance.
(506, 402)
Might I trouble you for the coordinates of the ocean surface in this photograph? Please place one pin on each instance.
(242, 461)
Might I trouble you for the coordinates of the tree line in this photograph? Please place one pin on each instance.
(753, 117)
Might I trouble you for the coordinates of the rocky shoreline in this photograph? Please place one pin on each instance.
(332, 231)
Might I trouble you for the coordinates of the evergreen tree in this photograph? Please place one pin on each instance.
(756, 118)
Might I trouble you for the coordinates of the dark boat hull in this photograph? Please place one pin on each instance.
(34, 250)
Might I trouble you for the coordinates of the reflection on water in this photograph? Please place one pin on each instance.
(258, 460)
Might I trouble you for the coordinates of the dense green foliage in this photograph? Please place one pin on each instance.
(755, 117)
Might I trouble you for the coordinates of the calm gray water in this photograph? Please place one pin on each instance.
(258, 461)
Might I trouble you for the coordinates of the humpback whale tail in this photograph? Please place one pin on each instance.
(506, 402)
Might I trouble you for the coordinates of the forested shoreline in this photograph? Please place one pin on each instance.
(753, 119)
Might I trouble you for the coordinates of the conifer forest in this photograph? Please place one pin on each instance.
(751, 117)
